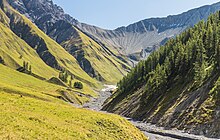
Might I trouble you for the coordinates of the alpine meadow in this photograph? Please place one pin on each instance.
(155, 79)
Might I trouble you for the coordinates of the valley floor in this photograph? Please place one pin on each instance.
(151, 131)
(159, 133)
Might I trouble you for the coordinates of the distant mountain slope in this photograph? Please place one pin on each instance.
(14, 51)
(22, 41)
(95, 58)
(99, 62)
(149, 33)
(145, 35)
(178, 85)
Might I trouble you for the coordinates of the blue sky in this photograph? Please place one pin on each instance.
(110, 14)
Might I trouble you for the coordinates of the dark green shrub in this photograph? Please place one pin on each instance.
(1, 60)
(78, 85)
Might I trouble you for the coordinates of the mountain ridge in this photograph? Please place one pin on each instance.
(91, 54)
(177, 87)
(23, 43)
(142, 36)
(147, 28)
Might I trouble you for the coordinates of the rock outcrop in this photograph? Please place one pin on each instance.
(123, 40)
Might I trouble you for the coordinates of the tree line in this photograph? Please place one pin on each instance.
(193, 55)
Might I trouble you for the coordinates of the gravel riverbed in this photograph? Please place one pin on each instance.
(151, 131)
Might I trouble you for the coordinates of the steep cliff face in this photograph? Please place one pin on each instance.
(91, 55)
(178, 85)
(41, 9)
(149, 32)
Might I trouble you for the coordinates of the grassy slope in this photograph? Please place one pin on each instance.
(103, 61)
(24, 84)
(13, 47)
(39, 115)
(183, 101)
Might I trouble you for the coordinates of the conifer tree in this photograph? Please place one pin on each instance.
(1, 60)
(30, 69)
(217, 56)
(24, 64)
(61, 76)
(70, 83)
(65, 76)
(27, 66)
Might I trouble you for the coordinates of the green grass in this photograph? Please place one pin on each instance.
(38, 114)
(27, 118)
(35, 109)
(15, 51)
(19, 83)
(103, 61)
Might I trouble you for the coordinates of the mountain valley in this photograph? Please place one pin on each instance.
(63, 79)
(178, 85)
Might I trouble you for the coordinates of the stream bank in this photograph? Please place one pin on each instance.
(151, 131)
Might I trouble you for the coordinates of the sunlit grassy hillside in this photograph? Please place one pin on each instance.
(22, 41)
(33, 109)
(106, 65)
(15, 51)
(23, 84)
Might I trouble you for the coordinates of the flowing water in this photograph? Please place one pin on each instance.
(151, 131)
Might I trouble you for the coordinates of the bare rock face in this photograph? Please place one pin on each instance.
(44, 13)
(149, 32)
(126, 40)
(61, 27)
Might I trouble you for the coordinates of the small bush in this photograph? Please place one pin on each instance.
(1, 60)
(78, 85)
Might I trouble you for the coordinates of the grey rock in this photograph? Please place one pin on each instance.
(126, 40)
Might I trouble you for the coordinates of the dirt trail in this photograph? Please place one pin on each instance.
(151, 131)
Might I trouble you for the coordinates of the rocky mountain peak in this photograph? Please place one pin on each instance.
(125, 40)
(188, 18)
(37, 9)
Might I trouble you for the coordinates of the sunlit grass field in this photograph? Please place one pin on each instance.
(30, 109)
(15, 50)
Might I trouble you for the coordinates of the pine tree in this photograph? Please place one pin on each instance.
(78, 85)
(172, 59)
(1, 60)
(65, 76)
(61, 76)
(27, 66)
(209, 39)
(167, 66)
(217, 56)
(70, 83)
(24, 64)
(30, 69)
(72, 77)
